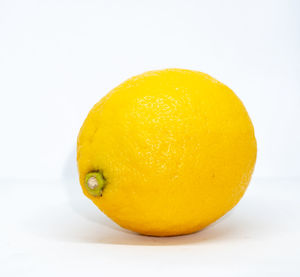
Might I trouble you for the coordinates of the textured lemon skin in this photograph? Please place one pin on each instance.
(176, 147)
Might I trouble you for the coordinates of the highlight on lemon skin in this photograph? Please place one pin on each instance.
(94, 183)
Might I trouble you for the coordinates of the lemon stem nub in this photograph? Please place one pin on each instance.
(94, 183)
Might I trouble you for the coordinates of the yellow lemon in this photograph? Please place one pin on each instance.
(166, 152)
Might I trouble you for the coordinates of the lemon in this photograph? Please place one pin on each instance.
(166, 152)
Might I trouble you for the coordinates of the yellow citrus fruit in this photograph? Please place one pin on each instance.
(166, 152)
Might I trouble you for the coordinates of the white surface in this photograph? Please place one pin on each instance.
(59, 57)
(51, 229)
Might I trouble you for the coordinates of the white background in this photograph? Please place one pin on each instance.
(58, 58)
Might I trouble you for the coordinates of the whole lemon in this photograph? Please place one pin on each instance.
(166, 152)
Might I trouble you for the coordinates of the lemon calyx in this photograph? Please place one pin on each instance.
(94, 183)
